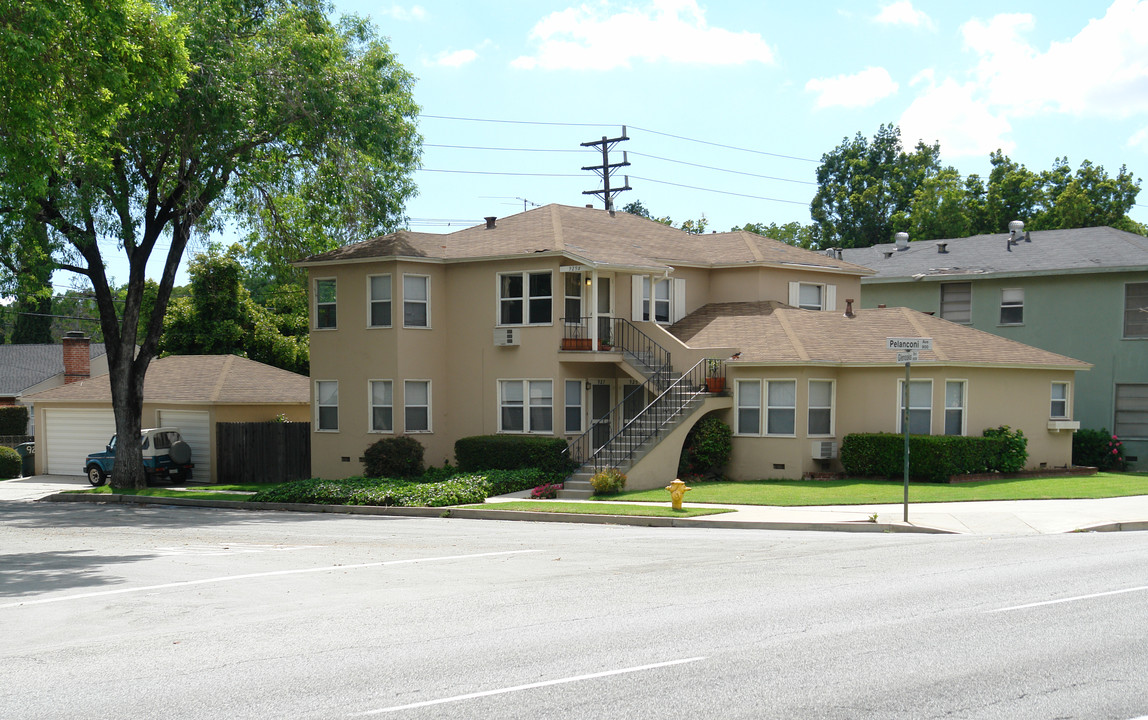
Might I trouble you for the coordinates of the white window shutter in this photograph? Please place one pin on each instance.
(636, 297)
(795, 294)
(679, 300)
(830, 297)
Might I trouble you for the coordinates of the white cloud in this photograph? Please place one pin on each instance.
(603, 37)
(456, 58)
(853, 91)
(952, 114)
(902, 12)
(1139, 138)
(416, 12)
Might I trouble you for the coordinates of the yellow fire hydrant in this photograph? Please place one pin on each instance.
(677, 489)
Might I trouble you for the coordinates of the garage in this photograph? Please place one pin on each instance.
(195, 428)
(70, 435)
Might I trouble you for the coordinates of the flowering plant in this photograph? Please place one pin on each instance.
(546, 491)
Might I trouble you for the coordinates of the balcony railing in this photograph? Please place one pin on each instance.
(617, 335)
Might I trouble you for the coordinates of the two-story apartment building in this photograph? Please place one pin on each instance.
(1082, 293)
(603, 328)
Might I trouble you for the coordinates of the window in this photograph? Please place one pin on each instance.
(382, 406)
(379, 297)
(920, 406)
(954, 407)
(1136, 310)
(1131, 411)
(1012, 306)
(573, 406)
(780, 407)
(325, 304)
(573, 292)
(661, 300)
(809, 297)
(1059, 407)
(526, 406)
(327, 404)
(956, 302)
(524, 298)
(416, 301)
(416, 406)
(820, 407)
(748, 393)
(812, 296)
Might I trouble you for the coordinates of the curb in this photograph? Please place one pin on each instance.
(507, 515)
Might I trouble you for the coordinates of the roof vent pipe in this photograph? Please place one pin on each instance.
(887, 253)
(490, 222)
(902, 240)
(1027, 236)
(942, 247)
(849, 308)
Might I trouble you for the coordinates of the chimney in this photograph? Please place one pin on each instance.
(490, 222)
(77, 357)
(849, 308)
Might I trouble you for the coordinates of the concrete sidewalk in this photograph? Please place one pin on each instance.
(996, 517)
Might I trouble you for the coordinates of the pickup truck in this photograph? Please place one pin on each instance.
(165, 456)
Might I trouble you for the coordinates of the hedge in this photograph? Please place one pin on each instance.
(10, 463)
(934, 457)
(13, 420)
(399, 456)
(511, 452)
(1098, 448)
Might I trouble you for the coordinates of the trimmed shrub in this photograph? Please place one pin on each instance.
(9, 463)
(13, 420)
(511, 452)
(608, 482)
(707, 448)
(546, 491)
(374, 491)
(394, 457)
(1013, 451)
(934, 457)
(1099, 449)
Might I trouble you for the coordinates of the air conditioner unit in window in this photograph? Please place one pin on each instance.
(504, 337)
(824, 449)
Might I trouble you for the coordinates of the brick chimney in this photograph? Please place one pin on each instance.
(77, 357)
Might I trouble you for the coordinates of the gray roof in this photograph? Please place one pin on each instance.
(1044, 252)
(22, 366)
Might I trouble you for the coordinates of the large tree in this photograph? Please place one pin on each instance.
(177, 115)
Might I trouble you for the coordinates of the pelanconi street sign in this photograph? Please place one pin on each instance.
(903, 343)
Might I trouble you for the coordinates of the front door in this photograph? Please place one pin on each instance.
(600, 405)
(605, 305)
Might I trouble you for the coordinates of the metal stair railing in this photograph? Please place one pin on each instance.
(618, 335)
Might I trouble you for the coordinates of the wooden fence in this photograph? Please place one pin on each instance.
(263, 452)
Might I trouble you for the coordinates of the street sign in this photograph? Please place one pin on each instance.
(894, 343)
(910, 356)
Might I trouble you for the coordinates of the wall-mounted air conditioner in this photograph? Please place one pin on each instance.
(824, 449)
(504, 337)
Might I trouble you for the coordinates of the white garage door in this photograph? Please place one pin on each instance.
(195, 429)
(71, 435)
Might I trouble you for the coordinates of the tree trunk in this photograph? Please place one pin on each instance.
(127, 378)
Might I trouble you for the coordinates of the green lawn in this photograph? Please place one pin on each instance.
(555, 506)
(873, 492)
(197, 492)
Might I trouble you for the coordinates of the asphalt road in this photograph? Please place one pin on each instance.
(138, 612)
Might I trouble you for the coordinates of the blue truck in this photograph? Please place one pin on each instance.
(165, 455)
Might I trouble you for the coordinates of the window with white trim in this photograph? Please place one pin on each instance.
(572, 307)
(1059, 405)
(1136, 310)
(416, 301)
(525, 298)
(1131, 411)
(956, 302)
(526, 406)
(325, 304)
(747, 397)
(660, 300)
(382, 405)
(920, 406)
(327, 405)
(820, 408)
(574, 411)
(812, 296)
(379, 301)
(416, 406)
(955, 393)
(1012, 306)
(780, 407)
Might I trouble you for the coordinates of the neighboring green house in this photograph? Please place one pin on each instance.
(1081, 293)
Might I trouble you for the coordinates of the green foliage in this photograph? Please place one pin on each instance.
(791, 233)
(13, 420)
(546, 491)
(707, 448)
(10, 463)
(608, 482)
(394, 457)
(510, 452)
(934, 457)
(1097, 448)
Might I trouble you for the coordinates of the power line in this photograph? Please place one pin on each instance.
(518, 122)
(721, 192)
(505, 149)
(735, 172)
(728, 147)
(492, 172)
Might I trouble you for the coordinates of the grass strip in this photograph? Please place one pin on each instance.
(223, 492)
(553, 506)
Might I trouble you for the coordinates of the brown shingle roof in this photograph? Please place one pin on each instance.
(590, 235)
(223, 379)
(772, 332)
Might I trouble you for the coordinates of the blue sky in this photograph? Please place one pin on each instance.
(782, 82)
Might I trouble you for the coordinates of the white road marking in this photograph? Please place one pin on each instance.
(248, 576)
(1070, 599)
(530, 686)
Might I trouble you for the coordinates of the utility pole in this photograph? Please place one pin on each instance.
(606, 168)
